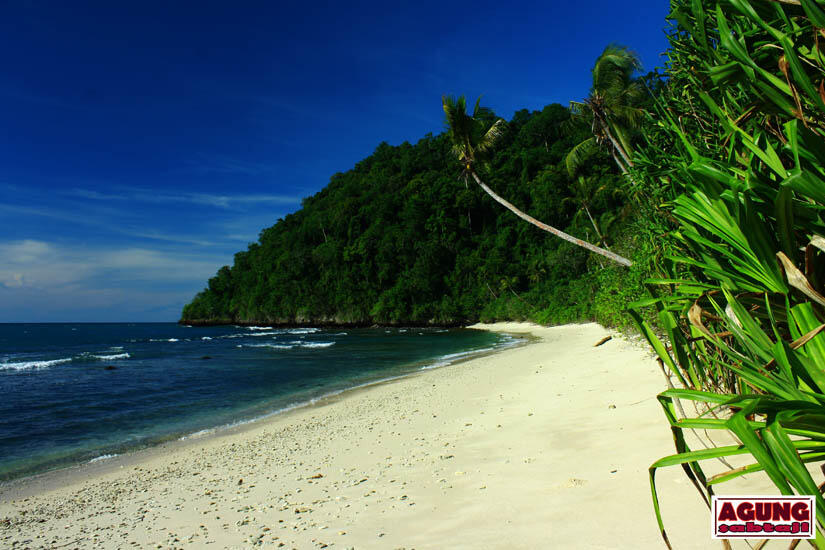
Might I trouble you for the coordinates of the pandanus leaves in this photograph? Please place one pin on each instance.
(738, 137)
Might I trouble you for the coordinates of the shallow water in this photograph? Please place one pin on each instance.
(81, 392)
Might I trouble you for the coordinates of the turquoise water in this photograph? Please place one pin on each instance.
(80, 392)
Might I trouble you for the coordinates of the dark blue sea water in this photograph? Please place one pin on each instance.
(61, 402)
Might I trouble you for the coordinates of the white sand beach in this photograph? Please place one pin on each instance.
(546, 445)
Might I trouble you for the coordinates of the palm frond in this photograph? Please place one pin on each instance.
(626, 115)
(472, 136)
(612, 108)
(614, 67)
(491, 136)
(579, 154)
(579, 108)
(480, 112)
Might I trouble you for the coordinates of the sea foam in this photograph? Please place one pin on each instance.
(313, 344)
(290, 345)
(309, 330)
(273, 346)
(102, 457)
(25, 365)
(112, 357)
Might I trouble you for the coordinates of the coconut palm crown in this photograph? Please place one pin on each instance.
(611, 108)
(473, 137)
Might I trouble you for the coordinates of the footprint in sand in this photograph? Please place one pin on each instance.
(576, 482)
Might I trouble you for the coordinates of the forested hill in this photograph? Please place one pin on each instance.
(401, 239)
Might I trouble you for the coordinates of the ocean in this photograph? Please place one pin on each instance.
(74, 393)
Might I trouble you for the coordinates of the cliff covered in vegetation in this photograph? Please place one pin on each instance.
(401, 238)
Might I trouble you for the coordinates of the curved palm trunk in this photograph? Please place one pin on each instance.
(621, 166)
(469, 218)
(618, 146)
(561, 234)
(600, 123)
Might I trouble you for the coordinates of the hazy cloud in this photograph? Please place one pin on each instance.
(49, 281)
(97, 218)
(49, 266)
(219, 164)
(205, 199)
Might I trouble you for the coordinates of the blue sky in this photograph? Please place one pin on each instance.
(144, 143)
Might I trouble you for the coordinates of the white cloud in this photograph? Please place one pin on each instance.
(25, 251)
(52, 281)
(31, 263)
(53, 267)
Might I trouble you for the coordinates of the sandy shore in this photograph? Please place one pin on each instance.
(542, 446)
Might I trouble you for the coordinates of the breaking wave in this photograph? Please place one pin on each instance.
(26, 365)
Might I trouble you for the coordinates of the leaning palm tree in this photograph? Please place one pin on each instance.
(611, 109)
(473, 139)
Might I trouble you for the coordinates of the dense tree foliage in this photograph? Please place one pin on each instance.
(401, 238)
